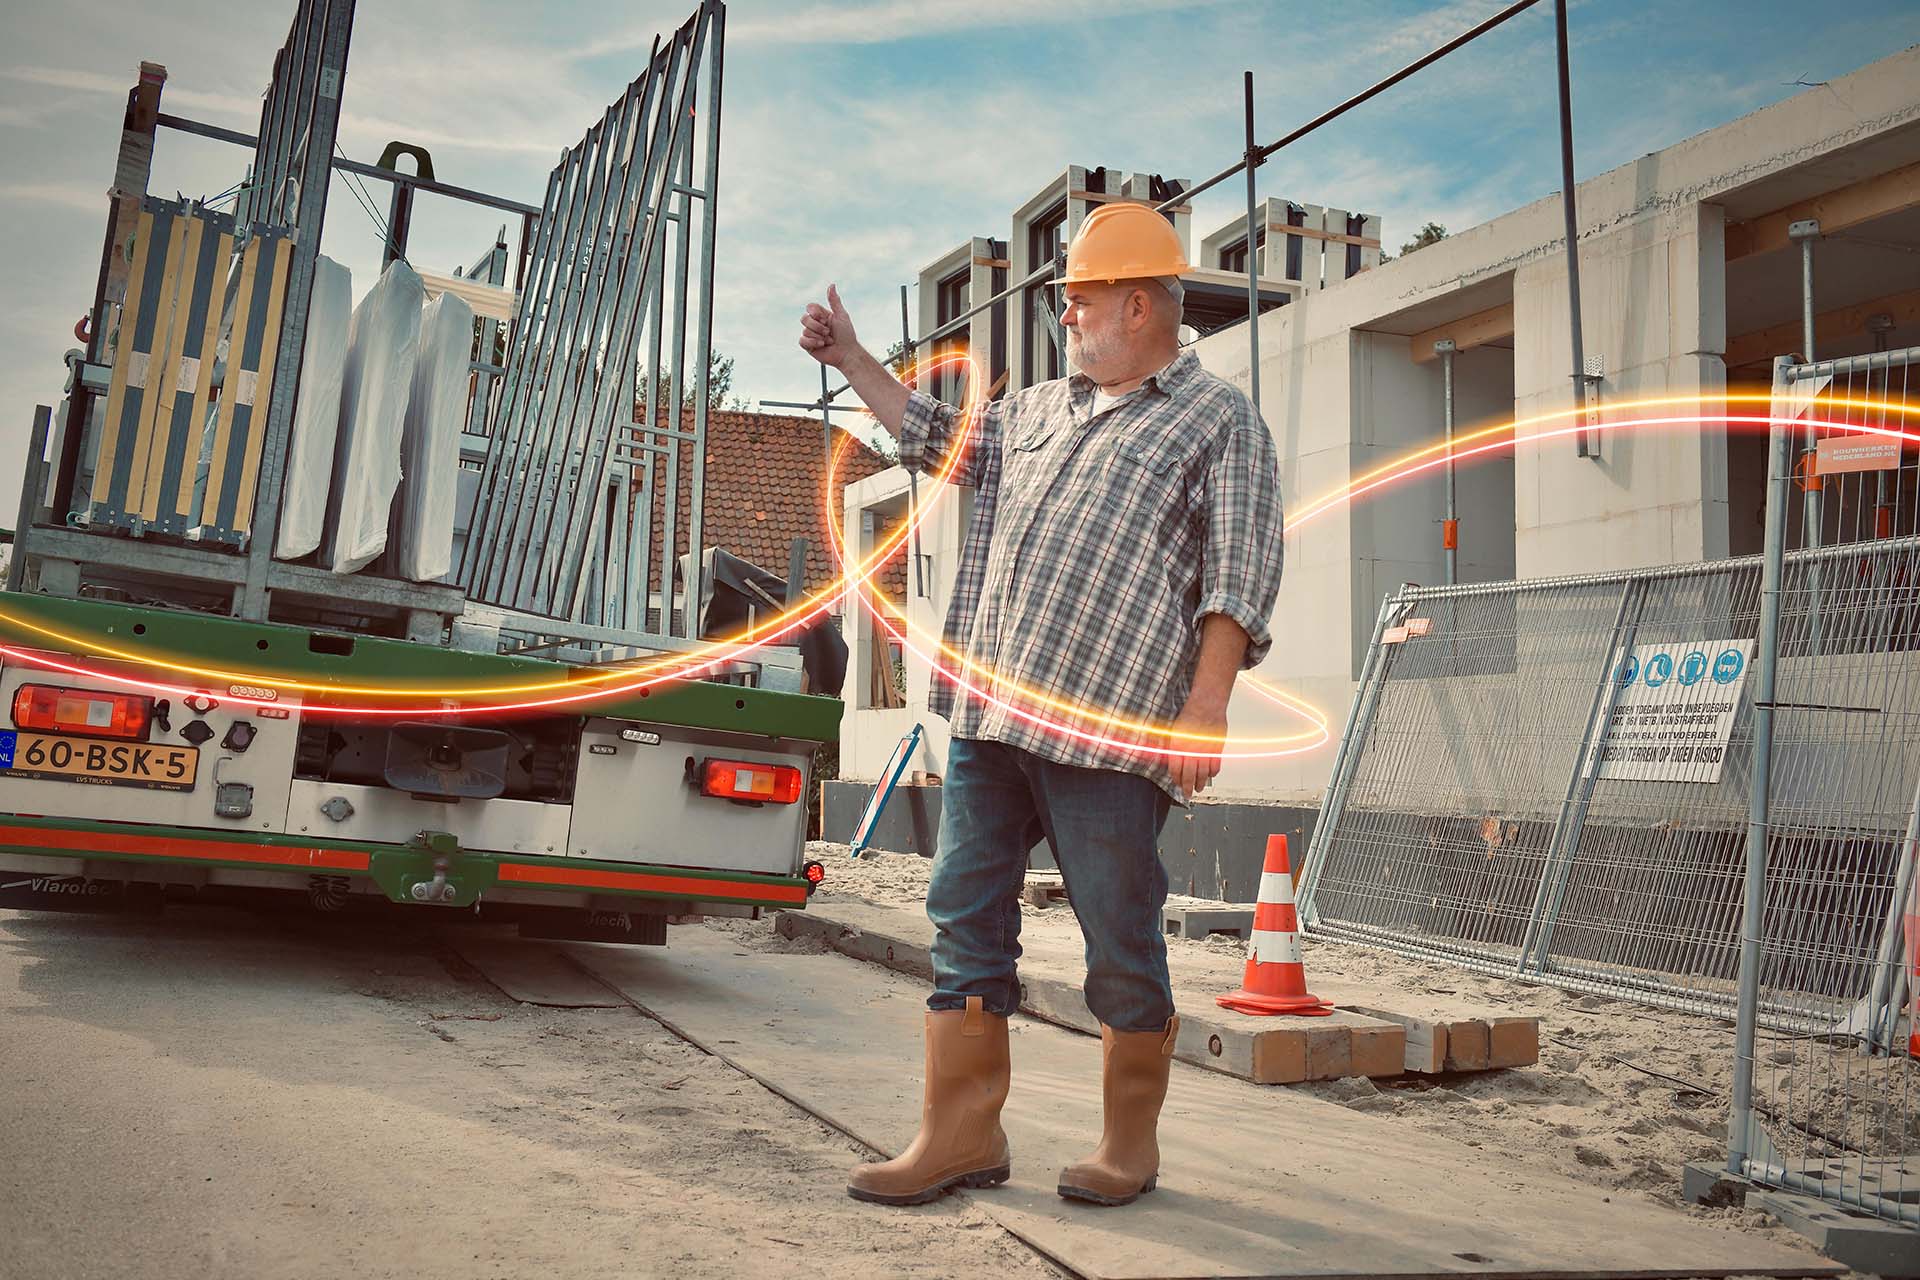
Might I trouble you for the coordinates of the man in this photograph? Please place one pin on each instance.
(1123, 561)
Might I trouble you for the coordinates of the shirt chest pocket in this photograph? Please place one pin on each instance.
(1026, 445)
(1148, 472)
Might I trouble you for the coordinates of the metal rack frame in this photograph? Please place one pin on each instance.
(551, 603)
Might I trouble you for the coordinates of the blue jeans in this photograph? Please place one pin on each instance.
(1104, 826)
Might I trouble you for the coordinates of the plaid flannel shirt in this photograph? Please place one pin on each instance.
(1098, 545)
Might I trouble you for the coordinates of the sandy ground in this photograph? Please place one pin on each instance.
(1589, 1110)
(219, 1094)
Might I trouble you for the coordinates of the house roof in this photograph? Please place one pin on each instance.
(765, 480)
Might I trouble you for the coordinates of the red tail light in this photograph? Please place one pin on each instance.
(814, 872)
(751, 781)
(91, 713)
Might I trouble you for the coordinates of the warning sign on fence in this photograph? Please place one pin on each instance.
(1674, 711)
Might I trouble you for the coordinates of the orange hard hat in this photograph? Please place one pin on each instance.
(1124, 241)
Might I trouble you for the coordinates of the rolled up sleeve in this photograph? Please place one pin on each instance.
(932, 433)
(1245, 539)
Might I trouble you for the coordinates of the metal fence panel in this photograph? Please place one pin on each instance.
(1831, 1113)
(1487, 809)
(1473, 825)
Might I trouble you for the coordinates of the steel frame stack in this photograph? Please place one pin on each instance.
(564, 520)
(571, 485)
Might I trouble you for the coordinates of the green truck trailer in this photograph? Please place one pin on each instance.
(192, 714)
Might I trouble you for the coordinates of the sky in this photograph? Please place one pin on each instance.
(864, 138)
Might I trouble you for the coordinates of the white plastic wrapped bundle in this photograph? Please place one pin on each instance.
(382, 346)
(316, 418)
(430, 453)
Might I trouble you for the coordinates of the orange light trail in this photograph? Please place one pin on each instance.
(1492, 439)
(602, 686)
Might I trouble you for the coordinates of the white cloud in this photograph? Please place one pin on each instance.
(67, 195)
(116, 86)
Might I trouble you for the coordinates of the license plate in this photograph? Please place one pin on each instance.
(111, 764)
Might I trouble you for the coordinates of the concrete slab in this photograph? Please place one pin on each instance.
(1254, 1182)
(1862, 1242)
(532, 973)
(1203, 922)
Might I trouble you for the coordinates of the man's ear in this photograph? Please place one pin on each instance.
(1139, 309)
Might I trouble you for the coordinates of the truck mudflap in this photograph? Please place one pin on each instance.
(431, 870)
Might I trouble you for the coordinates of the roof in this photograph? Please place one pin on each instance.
(765, 483)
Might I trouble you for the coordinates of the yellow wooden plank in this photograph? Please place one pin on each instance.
(1849, 206)
(203, 389)
(269, 352)
(1762, 345)
(117, 388)
(160, 442)
(166, 353)
(236, 347)
(1467, 332)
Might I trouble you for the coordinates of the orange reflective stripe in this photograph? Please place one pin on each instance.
(144, 846)
(651, 882)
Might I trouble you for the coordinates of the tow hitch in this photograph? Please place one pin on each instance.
(431, 872)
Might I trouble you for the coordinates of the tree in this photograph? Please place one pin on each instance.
(1431, 233)
(719, 386)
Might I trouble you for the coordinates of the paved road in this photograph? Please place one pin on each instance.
(218, 1094)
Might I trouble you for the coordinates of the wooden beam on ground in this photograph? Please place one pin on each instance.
(1762, 345)
(1849, 206)
(1476, 330)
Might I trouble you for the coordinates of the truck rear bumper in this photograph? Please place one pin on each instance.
(431, 871)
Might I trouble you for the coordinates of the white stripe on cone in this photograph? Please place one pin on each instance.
(1276, 888)
(1270, 946)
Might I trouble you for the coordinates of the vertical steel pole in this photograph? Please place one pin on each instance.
(316, 170)
(1812, 534)
(1812, 507)
(1584, 446)
(1253, 161)
(913, 477)
(1450, 528)
(1766, 658)
(826, 446)
(703, 337)
(32, 483)
(1879, 324)
(826, 424)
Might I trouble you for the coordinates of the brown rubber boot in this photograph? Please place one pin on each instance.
(1133, 1086)
(960, 1143)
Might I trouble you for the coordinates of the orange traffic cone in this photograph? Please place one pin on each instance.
(1276, 980)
